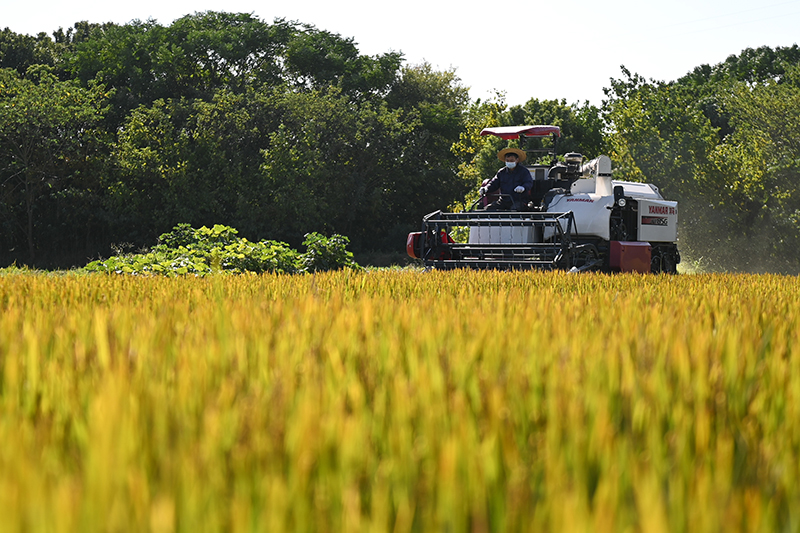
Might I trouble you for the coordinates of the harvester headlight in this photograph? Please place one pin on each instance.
(621, 202)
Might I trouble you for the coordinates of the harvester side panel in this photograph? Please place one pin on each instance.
(658, 220)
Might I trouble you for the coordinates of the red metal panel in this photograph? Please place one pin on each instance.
(412, 244)
(630, 256)
(513, 132)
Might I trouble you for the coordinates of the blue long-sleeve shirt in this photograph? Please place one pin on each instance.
(509, 179)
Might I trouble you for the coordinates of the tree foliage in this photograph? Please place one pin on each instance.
(760, 165)
(658, 134)
(20, 52)
(330, 162)
(581, 131)
(47, 135)
(278, 129)
(435, 105)
(724, 142)
(315, 59)
(187, 160)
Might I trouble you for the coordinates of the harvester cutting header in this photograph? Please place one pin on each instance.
(563, 215)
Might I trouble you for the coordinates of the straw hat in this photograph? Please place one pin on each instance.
(501, 155)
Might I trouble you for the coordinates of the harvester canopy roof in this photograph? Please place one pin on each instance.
(514, 132)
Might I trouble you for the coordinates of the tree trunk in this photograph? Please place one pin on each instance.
(29, 186)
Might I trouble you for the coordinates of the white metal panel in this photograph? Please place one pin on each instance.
(600, 170)
(639, 190)
(658, 221)
(583, 185)
(501, 235)
(590, 210)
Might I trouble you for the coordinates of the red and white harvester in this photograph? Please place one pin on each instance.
(577, 218)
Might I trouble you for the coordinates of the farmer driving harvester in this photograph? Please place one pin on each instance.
(513, 180)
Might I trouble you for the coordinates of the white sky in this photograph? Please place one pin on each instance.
(564, 48)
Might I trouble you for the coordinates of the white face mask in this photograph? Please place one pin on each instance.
(511, 164)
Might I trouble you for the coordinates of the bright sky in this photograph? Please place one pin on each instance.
(547, 50)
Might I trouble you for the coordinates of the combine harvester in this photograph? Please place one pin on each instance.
(576, 218)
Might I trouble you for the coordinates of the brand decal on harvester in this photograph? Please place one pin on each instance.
(655, 221)
(662, 210)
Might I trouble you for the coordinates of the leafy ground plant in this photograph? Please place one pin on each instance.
(186, 250)
(325, 253)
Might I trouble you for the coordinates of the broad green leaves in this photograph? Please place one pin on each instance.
(218, 249)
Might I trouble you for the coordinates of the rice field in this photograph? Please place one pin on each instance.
(400, 401)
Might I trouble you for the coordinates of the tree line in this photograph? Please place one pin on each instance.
(111, 135)
(724, 140)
